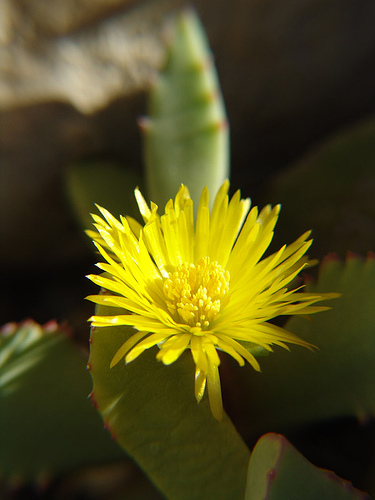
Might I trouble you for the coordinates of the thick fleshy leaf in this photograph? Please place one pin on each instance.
(186, 137)
(277, 471)
(151, 411)
(106, 184)
(47, 423)
(337, 380)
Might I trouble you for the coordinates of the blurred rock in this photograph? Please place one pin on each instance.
(87, 67)
(29, 20)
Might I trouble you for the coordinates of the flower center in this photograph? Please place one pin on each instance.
(194, 293)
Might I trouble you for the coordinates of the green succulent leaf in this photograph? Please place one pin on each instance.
(47, 423)
(107, 184)
(336, 380)
(331, 190)
(186, 137)
(151, 411)
(277, 471)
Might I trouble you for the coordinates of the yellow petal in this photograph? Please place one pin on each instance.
(200, 384)
(124, 349)
(142, 205)
(214, 391)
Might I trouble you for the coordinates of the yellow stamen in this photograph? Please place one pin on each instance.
(194, 293)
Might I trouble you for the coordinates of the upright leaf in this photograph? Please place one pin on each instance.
(186, 138)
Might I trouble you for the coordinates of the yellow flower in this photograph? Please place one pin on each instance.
(200, 286)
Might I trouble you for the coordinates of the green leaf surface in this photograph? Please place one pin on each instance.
(151, 411)
(336, 380)
(186, 136)
(331, 190)
(277, 471)
(107, 184)
(47, 423)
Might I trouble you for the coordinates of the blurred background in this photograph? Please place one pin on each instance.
(74, 75)
(73, 78)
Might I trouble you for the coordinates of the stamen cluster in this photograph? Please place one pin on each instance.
(194, 293)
